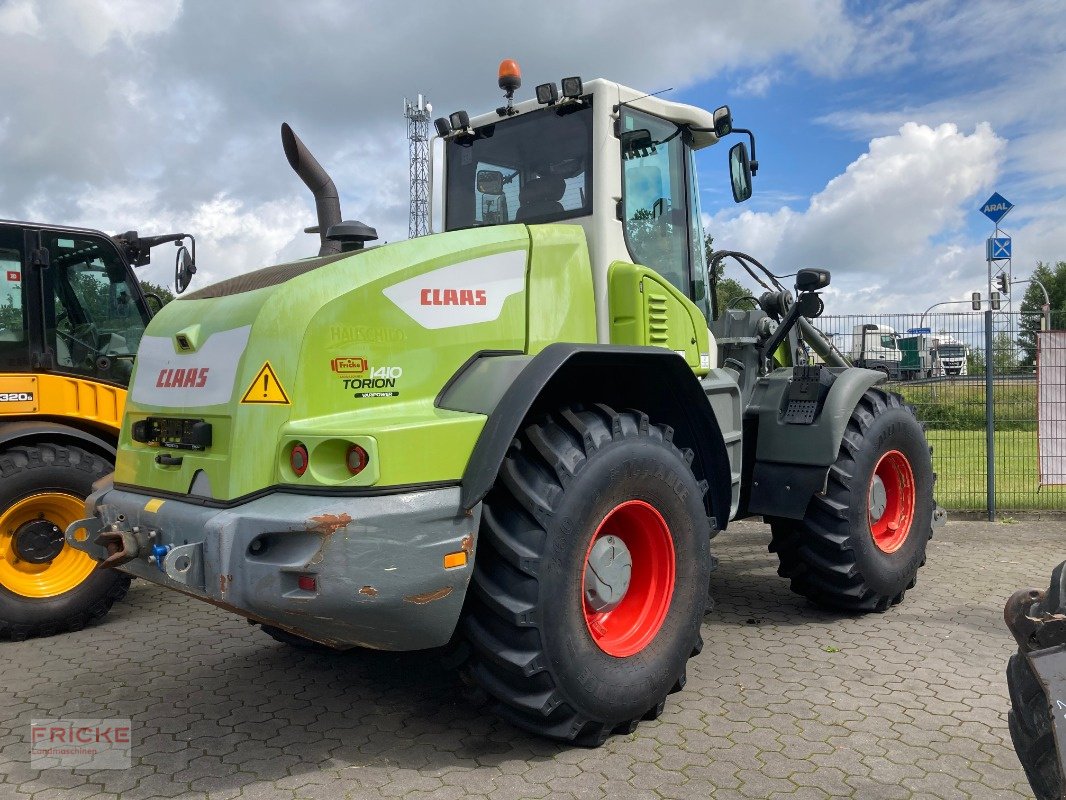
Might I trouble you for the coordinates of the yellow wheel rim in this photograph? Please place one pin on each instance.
(66, 571)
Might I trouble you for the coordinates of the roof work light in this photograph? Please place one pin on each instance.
(547, 94)
(572, 87)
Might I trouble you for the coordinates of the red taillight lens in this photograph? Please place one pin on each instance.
(298, 459)
(307, 583)
(357, 459)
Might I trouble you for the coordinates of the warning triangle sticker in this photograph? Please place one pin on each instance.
(266, 389)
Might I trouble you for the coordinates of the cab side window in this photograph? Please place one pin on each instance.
(656, 200)
(12, 320)
(14, 349)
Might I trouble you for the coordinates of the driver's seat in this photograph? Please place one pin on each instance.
(540, 197)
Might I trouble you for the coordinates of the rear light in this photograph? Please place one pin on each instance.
(298, 459)
(357, 458)
(307, 583)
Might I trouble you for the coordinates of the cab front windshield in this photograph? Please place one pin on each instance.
(534, 167)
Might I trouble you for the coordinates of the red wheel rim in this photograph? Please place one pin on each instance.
(891, 527)
(630, 626)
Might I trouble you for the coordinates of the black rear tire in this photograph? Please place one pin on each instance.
(42, 468)
(831, 556)
(532, 649)
(1031, 729)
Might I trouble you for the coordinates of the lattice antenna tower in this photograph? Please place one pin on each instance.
(418, 114)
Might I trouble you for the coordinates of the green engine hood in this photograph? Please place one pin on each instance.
(331, 352)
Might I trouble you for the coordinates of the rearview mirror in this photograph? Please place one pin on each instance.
(490, 181)
(184, 269)
(723, 122)
(740, 172)
(636, 144)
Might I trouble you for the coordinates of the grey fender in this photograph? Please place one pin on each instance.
(511, 388)
(34, 431)
(791, 461)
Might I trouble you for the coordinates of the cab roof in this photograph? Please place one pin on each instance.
(609, 92)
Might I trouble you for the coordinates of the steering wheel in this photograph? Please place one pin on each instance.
(74, 339)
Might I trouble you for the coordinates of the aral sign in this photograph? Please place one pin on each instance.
(996, 207)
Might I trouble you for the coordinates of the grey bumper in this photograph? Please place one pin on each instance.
(377, 561)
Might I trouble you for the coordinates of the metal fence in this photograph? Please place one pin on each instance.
(938, 363)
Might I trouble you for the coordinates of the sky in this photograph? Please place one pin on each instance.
(881, 128)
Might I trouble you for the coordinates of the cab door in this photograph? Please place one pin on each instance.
(660, 204)
(94, 314)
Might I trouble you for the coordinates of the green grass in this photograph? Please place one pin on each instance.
(959, 461)
(961, 406)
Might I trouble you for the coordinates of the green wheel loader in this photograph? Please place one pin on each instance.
(518, 435)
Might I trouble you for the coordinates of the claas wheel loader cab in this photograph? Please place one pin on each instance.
(72, 313)
(519, 434)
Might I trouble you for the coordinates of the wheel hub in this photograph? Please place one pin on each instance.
(607, 574)
(34, 561)
(628, 578)
(878, 498)
(892, 500)
(38, 541)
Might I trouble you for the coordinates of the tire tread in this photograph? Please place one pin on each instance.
(815, 554)
(506, 658)
(23, 458)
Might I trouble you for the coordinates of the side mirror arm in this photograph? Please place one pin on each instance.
(752, 162)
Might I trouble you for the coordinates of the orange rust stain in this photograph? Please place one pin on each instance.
(369, 591)
(429, 597)
(468, 543)
(224, 582)
(329, 523)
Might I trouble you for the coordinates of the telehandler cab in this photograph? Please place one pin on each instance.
(518, 434)
(71, 314)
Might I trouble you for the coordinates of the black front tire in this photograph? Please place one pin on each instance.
(830, 556)
(42, 468)
(532, 650)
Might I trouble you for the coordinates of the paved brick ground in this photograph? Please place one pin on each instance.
(784, 701)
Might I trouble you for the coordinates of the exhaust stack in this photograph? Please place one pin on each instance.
(327, 202)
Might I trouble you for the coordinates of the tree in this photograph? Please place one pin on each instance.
(161, 292)
(727, 290)
(1004, 354)
(1054, 279)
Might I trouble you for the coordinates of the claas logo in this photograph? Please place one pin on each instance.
(349, 366)
(14, 275)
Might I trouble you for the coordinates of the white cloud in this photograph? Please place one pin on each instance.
(162, 107)
(757, 85)
(164, 116)
(19, 17)
(232, 236)
(889, 227)
(89, 25)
